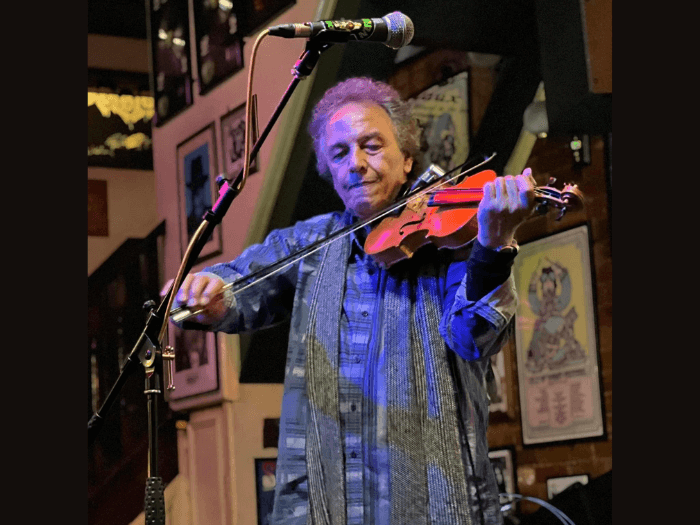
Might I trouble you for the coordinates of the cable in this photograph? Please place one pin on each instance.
(557, 512)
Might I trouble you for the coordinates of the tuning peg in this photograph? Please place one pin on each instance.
(552, 180)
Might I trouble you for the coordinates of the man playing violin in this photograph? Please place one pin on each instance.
(385, 410)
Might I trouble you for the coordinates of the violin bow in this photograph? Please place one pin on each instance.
(183, 312)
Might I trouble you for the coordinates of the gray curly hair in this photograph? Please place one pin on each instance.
(363, 89)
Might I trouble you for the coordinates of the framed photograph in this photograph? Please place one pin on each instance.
(196, 366)
(265, 487)
(233, 140)
(171, 70)
(555, 338)
(219, 41)
(557, 485)
(503, 463)
(496, 384)
(197, 189)
(442, 113)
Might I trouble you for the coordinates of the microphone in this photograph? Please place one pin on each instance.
(394, 30)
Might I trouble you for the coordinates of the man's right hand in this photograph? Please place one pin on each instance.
(202, 291)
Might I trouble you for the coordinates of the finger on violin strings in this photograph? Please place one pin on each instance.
(527, 173)
(510, 192)
(526, 190)
(489, 191)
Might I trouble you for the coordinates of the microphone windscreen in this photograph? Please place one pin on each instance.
(400, 29)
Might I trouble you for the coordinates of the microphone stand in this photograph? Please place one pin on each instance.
(147, 349)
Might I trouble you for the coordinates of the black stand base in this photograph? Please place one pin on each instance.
(155, 502)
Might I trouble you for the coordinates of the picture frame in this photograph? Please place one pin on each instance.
(120, 113)
(171, 64)
(233, 140)
(265, 481)
(257, 13)
(442, 114)
(556, 485)
(556, 340)
(197, 171)
(503, 464)
(196, 365)
(218, 41)
(497, 385)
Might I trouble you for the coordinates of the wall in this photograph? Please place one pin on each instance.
(131, 194)
(230, 457)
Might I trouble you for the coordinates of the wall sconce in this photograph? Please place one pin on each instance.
(535, 119)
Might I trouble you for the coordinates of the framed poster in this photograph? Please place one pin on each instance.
(503, 463)
(120, 112)
(442, 113)
(196, 368)
(265, 469)
(555, 337)
(219, 41)
(197, 188)
(233, 140)
(557, 485)
(171, 69)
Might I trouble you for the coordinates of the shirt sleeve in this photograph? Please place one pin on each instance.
(480, 300)
(270, 299)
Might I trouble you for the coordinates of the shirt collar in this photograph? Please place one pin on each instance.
(358, 237)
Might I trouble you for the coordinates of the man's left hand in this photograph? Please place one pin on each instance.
(506, 203)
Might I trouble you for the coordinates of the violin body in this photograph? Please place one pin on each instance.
(445, 218)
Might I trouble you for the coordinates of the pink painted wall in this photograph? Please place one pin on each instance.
(275, 58)
(131, 194)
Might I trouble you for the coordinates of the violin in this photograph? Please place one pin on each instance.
(439, 214)
(446, 218)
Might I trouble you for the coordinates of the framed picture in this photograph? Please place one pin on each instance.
(442, 113)
(496, 384)
(219, 41)
(196, 366)
(265, 487)
(557, 485)
(555, 337)
(120, 112)
(503, 463)
(233, 140)
(197, 189)
(171, 68)
(257, 13)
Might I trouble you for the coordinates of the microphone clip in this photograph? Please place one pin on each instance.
(309, 58)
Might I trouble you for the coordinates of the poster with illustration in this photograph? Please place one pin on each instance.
(197, 189)
(442, 113)
(557, 353)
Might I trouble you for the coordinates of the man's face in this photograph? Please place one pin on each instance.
(364, 158)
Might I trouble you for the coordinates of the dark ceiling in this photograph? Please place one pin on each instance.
(126, 18)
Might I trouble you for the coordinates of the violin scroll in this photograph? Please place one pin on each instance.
(568, 199)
